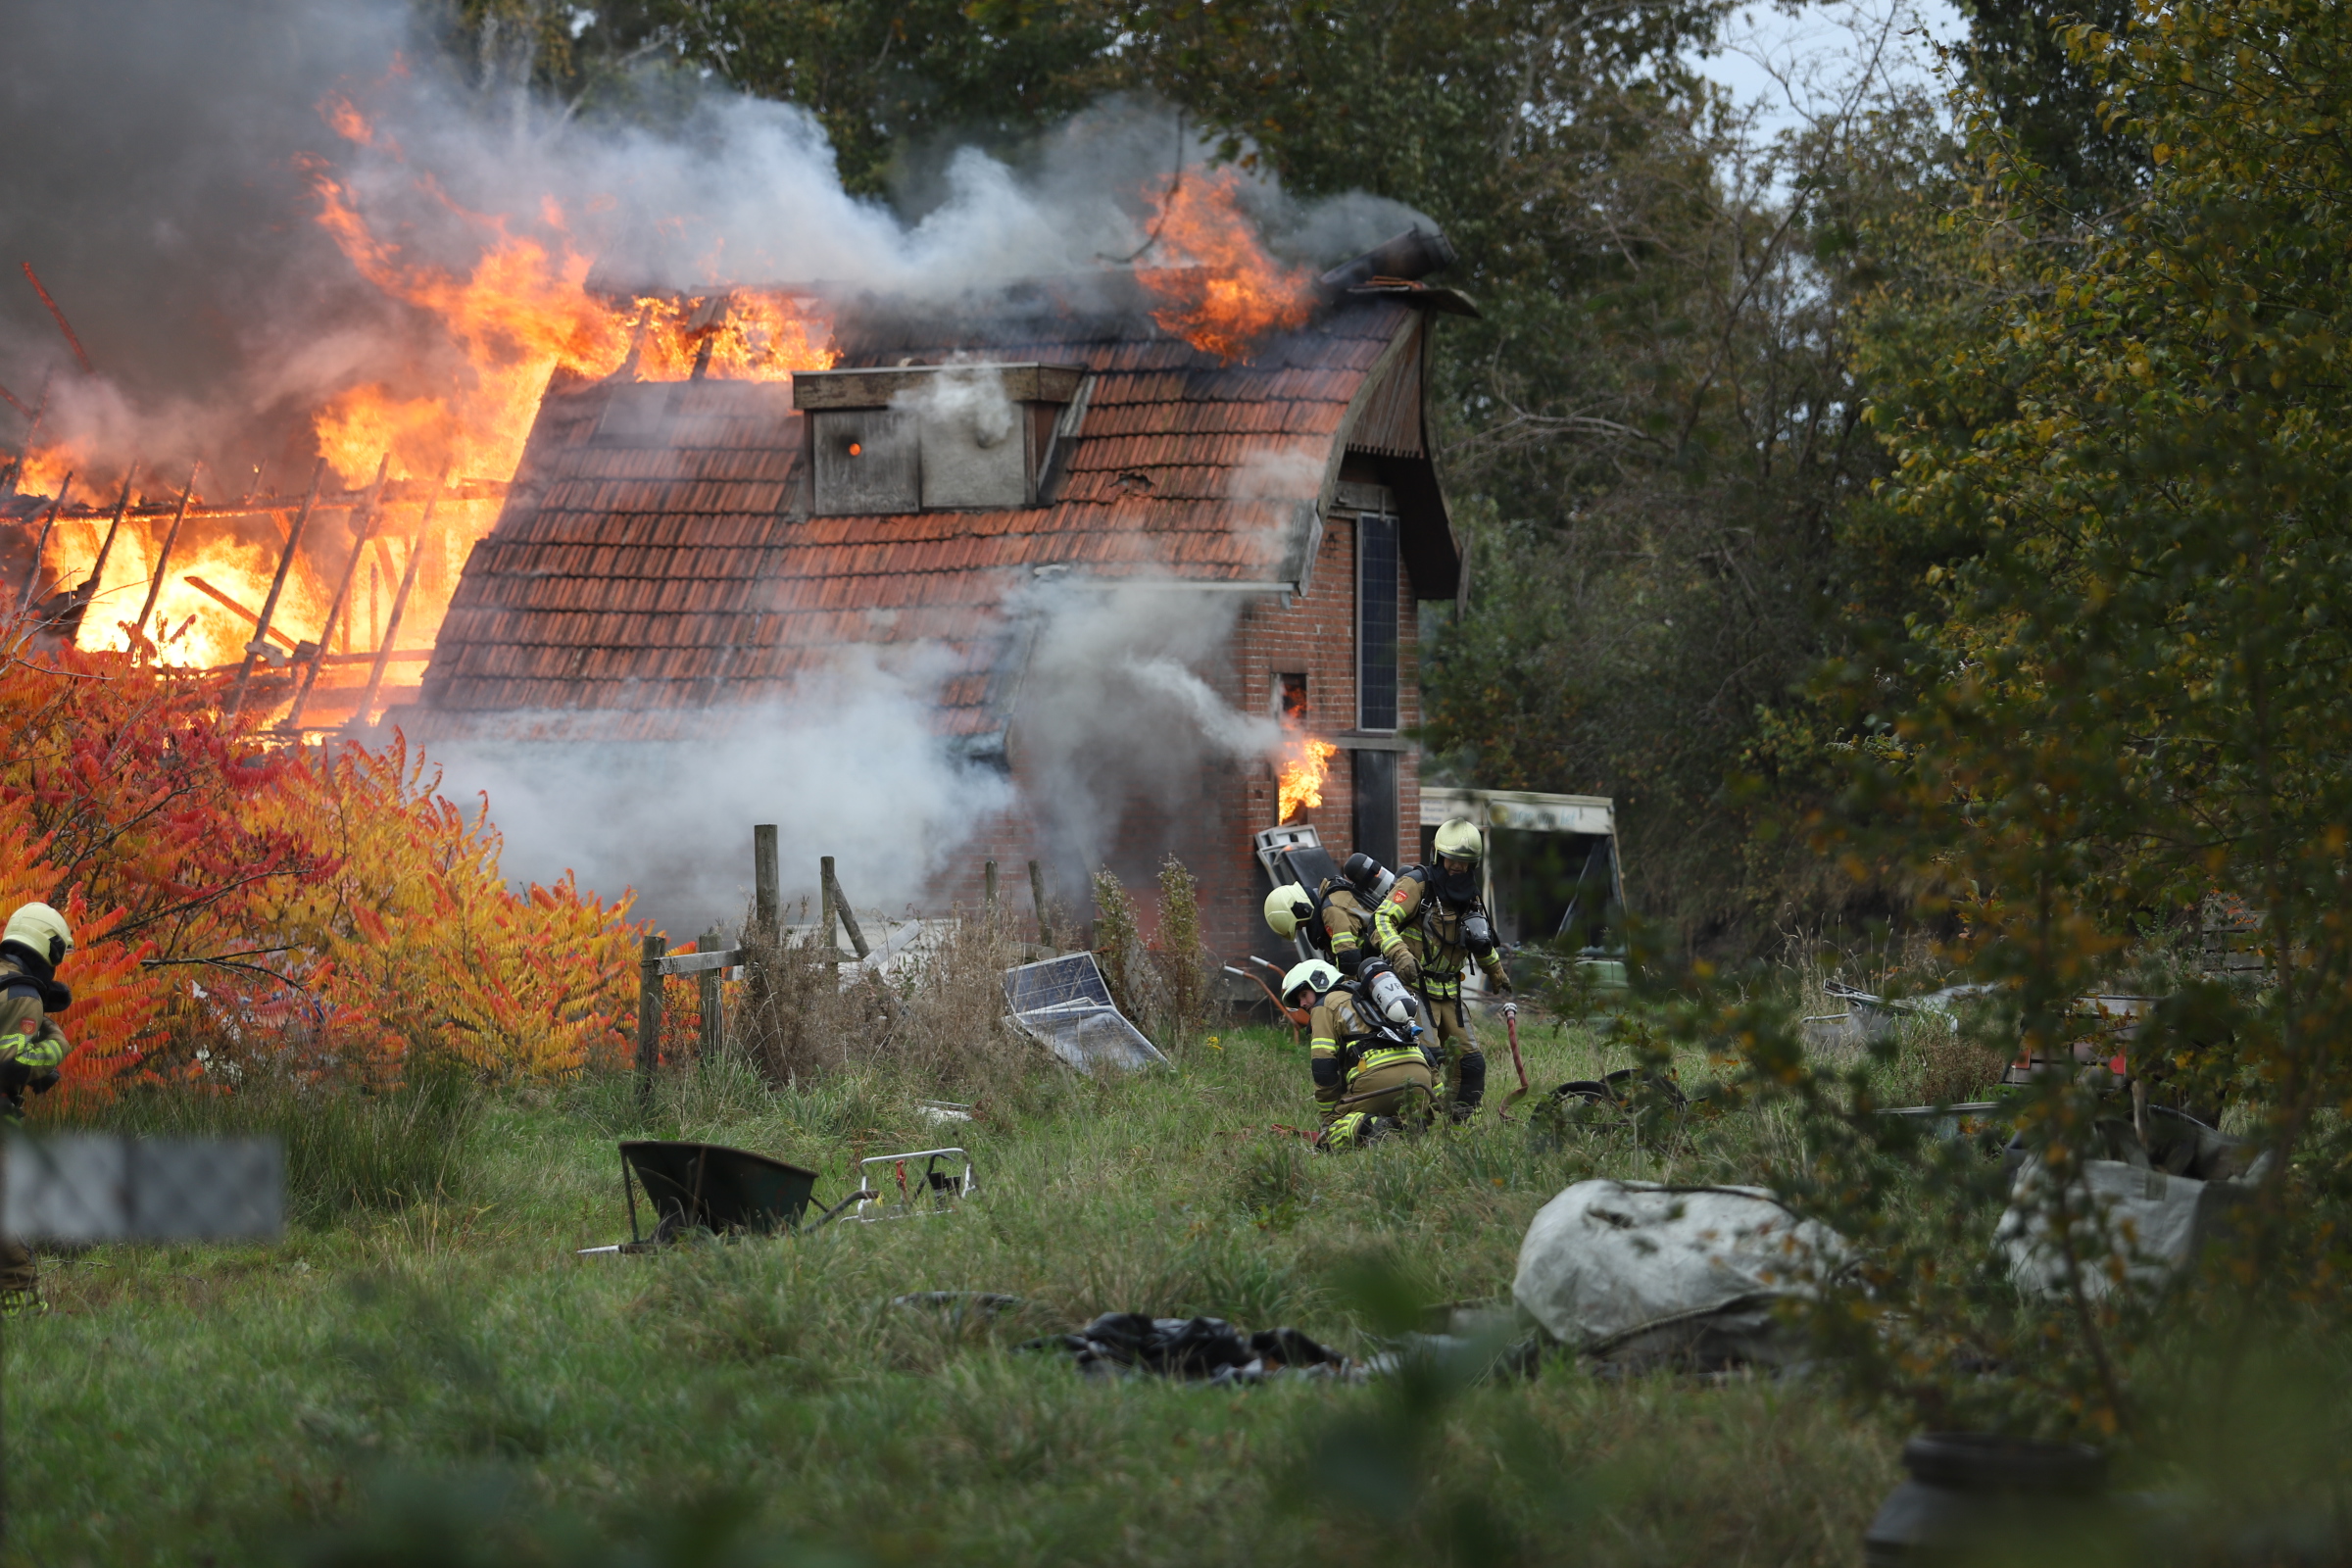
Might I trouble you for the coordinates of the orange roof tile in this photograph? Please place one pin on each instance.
(640, 592)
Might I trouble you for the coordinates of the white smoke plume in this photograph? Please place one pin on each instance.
(850, 767)
(1117, 711)
(1278, 474)
(968, 395)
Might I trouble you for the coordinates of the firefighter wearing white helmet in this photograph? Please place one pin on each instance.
(32, 1048)
(1429, 928)
(1369, 1076)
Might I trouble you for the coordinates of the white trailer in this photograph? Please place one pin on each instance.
(1551, 867)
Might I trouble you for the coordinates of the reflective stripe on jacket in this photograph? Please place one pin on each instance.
(1340, 1045)
(1346, 922)
(1408, 919)
(28, 1034)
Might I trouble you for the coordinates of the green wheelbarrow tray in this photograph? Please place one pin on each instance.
(712, 1188)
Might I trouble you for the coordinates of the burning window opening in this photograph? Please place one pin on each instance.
(1289, 699)
(1299, 782)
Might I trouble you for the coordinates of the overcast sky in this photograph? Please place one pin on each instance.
(1773, 60)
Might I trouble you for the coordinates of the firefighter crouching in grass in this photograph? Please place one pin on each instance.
(1370, 1078)
(1336, 916)
(1427, 927)
(31, 1048)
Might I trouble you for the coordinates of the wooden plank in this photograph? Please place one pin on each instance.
(710, 1002)
(766, 881)
(868, 463)
(701, 963)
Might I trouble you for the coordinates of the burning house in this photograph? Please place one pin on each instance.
(673, 553)
(1142, 543)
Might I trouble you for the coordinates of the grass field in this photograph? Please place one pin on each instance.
(443, 1381)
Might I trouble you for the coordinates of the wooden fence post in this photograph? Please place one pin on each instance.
(715, 1032)
(767, 888)
(840, 902)
(649, 1015)
(1045, 921)
(760, 1023)
(988, 885)
(825, 902)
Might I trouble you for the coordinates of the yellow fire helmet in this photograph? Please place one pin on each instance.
(1313, 972)
(1459, 840)
(41, 929)
(1287, 908)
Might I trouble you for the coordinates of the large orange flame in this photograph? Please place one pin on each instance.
(1299, 783)
(522, 313)
(1219, 288)
(519, 313)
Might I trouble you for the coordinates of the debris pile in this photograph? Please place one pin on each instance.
(1206, 1350)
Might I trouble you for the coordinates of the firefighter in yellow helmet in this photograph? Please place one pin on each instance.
(31, 1048)
(1428, 927)
(1336, 917)
(1370, 1076)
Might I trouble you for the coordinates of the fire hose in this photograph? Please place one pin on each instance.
(1296, 1018)
(1510, 1024)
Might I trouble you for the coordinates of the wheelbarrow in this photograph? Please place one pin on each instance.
(713, 1189)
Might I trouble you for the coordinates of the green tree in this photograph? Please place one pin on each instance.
(2126, 704)
(1666, 450)
(2050, 99)
(2133, 700)
(888, 82)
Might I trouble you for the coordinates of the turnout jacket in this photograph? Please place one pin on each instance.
(1346, 922)
(29, 1035)
(1413, 917)
(1343, 1045)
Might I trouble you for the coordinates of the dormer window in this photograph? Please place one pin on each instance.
(934, 437)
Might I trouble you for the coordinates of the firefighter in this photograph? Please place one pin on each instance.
(1428, 926)
(1336, 917)
(1371, 1077)
(31, 1048)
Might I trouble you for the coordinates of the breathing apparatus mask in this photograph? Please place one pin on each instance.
(1477, 936)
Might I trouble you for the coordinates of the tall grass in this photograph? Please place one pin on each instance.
(348, 1150)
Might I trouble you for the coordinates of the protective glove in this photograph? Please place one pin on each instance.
(1407, 967)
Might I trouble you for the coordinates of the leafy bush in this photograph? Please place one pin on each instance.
(241, 900)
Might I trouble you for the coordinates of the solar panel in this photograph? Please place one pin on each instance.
(1064, 1005)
